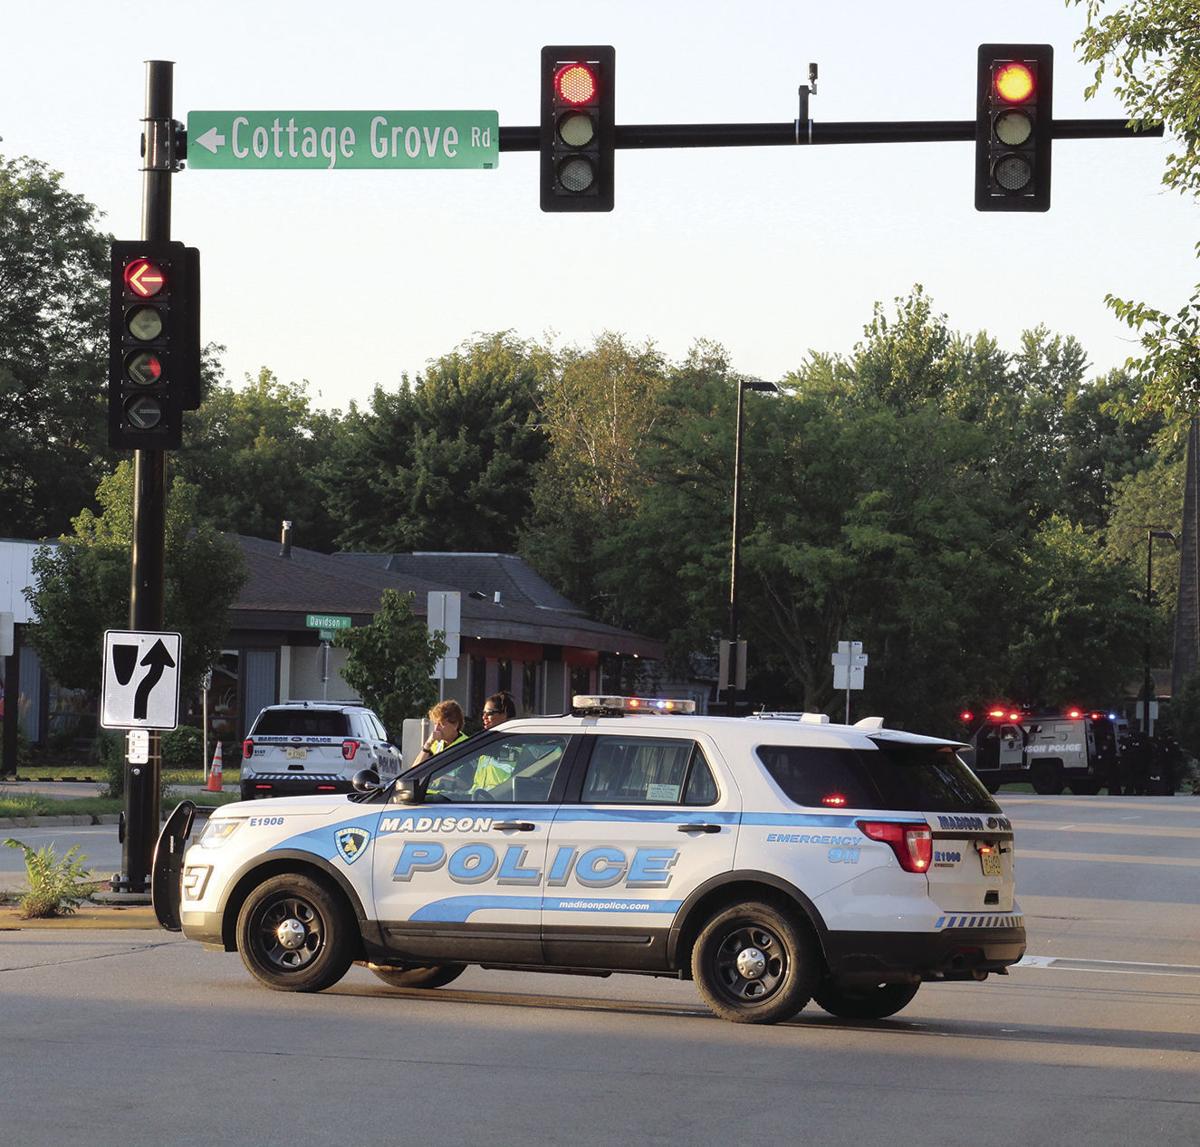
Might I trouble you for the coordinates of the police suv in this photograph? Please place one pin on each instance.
(773, 861)
(303, 747)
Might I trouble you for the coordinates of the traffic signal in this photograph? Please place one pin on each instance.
(1013, 127)
(154, 343)
(578, 128)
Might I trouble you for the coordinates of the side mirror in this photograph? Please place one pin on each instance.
(405, 792)
(365, 781)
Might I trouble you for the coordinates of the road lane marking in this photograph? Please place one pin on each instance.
(1107, 858)
(1124, 967)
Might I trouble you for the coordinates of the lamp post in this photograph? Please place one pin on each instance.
(1148, 684)
(744, 384)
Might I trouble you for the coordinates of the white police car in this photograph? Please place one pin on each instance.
(303, 747)
(771, 860)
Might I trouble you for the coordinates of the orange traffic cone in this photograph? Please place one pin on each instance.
(214, 774)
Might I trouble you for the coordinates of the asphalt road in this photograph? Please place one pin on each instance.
(143, 1038)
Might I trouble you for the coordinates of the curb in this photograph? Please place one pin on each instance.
(58, 821)
(93, 916)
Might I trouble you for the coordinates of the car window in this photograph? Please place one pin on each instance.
(927, 778)
(647, 770)
(518, 769)
(302, 723)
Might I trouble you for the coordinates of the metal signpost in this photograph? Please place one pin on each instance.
(326, 624)
(443, 614)
(849, 666)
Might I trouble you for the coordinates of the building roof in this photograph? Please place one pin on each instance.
(280, 589)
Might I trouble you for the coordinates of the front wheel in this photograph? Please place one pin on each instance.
(872, 1002)
(433, 976)
(294, 935)
(754, 964)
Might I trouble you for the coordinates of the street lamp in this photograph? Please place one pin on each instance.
(744, 384)
(1148, 684)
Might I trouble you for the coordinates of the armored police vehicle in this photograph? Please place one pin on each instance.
(771, 861)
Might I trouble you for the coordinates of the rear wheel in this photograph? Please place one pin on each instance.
(294, 934)
(433, 976)
(870, 1002)
(1085, 788)
(1046, 778)
(755, 964)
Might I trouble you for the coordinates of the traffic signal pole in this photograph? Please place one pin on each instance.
(147, 577)
(664, 135)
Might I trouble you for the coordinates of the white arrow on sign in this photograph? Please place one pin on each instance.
(211, 140)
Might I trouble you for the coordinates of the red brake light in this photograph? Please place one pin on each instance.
(1074, 714)
(1013, 82)
(912, 843)
(995, 714)
(575, 83)
(834, 800)
(1014, 716)
(349, 748)
(966, 716)
(247, 749)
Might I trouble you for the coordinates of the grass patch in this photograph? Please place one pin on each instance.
(96, 772)
(36, 804)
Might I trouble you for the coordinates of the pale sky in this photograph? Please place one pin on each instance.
(349, 278)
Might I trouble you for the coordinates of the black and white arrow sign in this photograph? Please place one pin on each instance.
(141, 680)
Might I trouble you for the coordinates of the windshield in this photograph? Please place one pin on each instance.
(895, 777)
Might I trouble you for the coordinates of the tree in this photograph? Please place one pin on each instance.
(1151, 49)
(597, 408)
(446, 463)
(1081, 627)
(82, 584)
(53, 314)
(253, 454)
(390, 661)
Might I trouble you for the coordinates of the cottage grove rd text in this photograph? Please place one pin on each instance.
(348, 139)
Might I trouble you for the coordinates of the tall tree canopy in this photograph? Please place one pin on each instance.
(53, 325)
(82, 585)
(1151, 51)
(446, 463)
(253, 454)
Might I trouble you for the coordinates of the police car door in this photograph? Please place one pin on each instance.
(648, 818)
(461, 875)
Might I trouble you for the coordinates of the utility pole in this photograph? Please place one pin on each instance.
(146, 588)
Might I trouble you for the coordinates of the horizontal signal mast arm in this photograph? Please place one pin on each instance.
(798, 132)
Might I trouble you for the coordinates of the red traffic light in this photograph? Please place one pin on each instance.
(1013, 82)
(144, 278)
(575, 83)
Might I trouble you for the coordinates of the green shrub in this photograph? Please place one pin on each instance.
(57, 884)
(183, 747)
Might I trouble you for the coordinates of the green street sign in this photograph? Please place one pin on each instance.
(326, 621)
(302, 140)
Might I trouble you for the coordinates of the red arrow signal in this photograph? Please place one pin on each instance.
(144, 278)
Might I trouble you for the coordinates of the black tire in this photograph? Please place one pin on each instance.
(869, 1002)
(992, 786)
(1085, 788)
(295, 935)
(433, 976)
(247, 793)
(755, 964)
(1046, 778)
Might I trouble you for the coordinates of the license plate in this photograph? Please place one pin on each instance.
(991, 862)
(297, 754)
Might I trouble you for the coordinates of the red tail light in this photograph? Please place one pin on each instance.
(912, 843)
(326, 788)
(247, 749)
(349, 748)
(834, 800)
